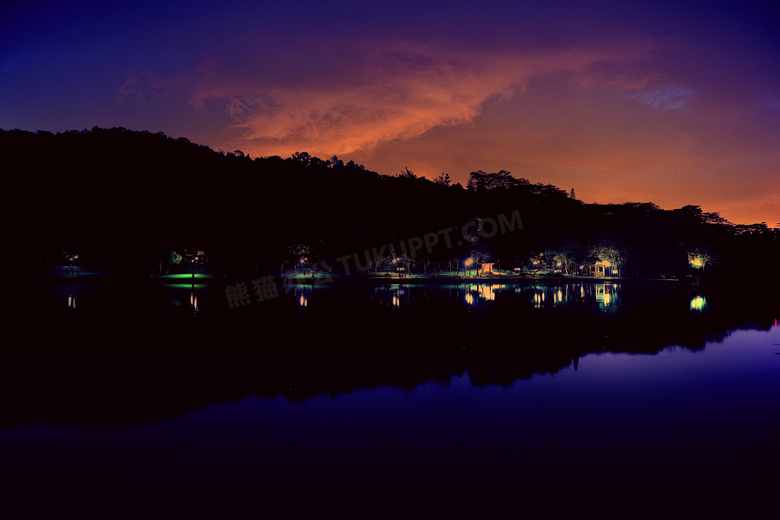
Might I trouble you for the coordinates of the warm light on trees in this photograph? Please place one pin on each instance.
(614, 256)
(699, 258)
(298, 253)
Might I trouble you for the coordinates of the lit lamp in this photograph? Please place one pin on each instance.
(467, 264)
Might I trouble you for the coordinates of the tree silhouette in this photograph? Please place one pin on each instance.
(245, 212)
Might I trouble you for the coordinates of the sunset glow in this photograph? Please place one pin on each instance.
(622, 101)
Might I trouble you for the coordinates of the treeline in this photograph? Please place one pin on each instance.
(116, 200)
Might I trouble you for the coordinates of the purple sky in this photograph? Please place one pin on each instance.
(668, 102)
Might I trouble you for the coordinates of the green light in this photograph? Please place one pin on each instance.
(182, 276)
(185, 285)
(698, 303)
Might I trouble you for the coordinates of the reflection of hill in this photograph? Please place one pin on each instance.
(136, 362)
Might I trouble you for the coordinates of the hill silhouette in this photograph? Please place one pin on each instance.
(131, 202)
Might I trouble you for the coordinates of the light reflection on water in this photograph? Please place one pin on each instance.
(539, 296)
(540, 415)
(640, 424)
(606, 295)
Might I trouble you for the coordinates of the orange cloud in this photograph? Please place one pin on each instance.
(604, 119)
(392, 92)
(610, 147)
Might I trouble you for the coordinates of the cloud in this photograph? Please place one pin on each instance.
(668, 97)
(770, 102)
(334, 102)
(339, 98)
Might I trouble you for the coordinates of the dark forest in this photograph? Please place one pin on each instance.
(139, 203)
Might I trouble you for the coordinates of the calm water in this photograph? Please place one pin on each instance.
(373, 401)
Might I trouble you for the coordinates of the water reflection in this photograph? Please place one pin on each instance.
(300, 294)
(539, 296)
(474, 293)
(499, 332)
(538, 299)
(485, 292)
(391, 295)
(333, 338)
(532, 384)
(67, 295)
(605, 296)
(543, 296)
(636, 426)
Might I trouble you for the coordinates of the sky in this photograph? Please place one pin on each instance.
(670, 102)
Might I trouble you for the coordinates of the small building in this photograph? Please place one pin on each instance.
(486, 268)
(603, 268)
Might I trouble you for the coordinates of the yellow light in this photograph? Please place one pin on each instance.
(698, 303)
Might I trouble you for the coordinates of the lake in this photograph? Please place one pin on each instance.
(383, 400)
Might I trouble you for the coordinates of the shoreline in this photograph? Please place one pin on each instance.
(331, 279)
